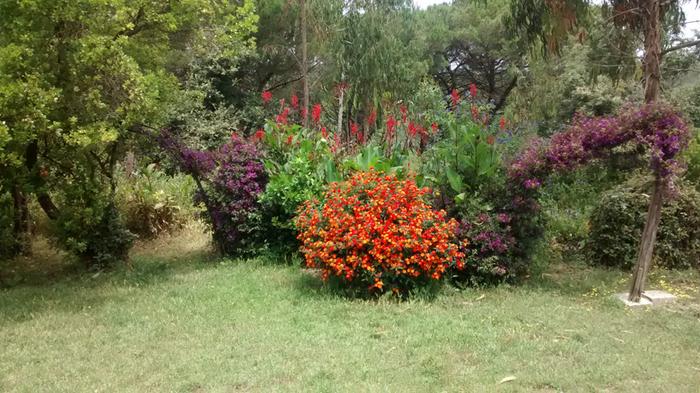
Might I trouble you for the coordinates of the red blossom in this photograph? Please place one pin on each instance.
(372, 117)
(283, 118)
(455, 97)
(434, 127)
(404, 113)
(295, 101)
(354, 128)
(290, 139)
(475, 112)
(412, 129)
(502, 123)
(490, 139)
(472, 90)
(266, 96)
(259, 135)
(316, 113)
(324, 132)
(390, 124)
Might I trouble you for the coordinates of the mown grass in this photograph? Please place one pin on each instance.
(182, 321)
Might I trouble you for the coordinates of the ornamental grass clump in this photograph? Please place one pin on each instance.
(375, 233)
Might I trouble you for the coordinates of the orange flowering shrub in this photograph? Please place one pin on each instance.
(376, 233)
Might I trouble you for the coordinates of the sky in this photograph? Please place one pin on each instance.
(691, 14)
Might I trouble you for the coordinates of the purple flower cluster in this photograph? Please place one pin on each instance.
(655, 126)
(231, 178)
(487, 244)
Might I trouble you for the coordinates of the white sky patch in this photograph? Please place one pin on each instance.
(426, 3)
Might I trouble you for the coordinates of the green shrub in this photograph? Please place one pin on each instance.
(89, 225)
(618, 220)
(692, 158)
(299, 165)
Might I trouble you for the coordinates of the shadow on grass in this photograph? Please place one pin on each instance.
(310, 285)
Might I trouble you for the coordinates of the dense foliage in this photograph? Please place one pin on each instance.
(376, 233)
(618, 219)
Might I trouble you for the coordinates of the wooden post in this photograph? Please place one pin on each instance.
(652, 80)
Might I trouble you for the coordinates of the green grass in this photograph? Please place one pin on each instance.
(181, 321)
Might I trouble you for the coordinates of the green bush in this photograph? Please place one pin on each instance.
(300, 178)
(89, 226)
(618, 220)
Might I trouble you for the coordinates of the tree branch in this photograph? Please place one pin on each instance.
(680, 46)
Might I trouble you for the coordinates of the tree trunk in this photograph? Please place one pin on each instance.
(304, 63)
(652, 50)
(646, 247)
(652, 80)
(341, 102)
(21, 227)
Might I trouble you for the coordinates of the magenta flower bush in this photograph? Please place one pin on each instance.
(229, 181)
(657, 128)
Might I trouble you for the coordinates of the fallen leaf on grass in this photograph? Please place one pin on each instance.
(509, 378)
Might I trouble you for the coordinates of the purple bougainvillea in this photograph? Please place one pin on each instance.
(656, 127)
(229, 181)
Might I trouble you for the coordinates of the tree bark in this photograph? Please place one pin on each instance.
(652, 50)
(304, 63)
(21, 226)
(341, 102)
(652, 80)
(646, 247)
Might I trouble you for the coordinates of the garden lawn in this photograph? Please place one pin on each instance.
(184, 322)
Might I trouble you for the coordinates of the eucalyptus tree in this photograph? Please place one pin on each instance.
(375, 52)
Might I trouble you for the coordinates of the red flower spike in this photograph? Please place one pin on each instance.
(390, 125)
(372, 118)
(266, 96)
(354, 127)
(472, 91)
(295, 101)
(455, 97)
(475, 112)
(316, 113)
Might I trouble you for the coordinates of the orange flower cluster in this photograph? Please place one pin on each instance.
(376, 233)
